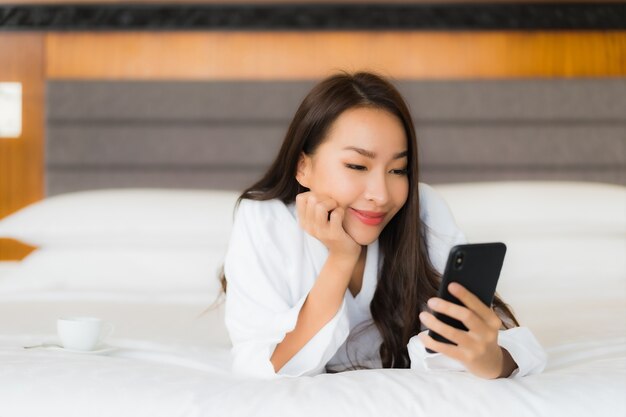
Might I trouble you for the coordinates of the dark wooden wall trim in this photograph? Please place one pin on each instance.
(487, 16)
(271, 55)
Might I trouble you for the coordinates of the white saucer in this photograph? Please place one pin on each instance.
(100, 350)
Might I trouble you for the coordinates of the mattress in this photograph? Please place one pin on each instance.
(170, 354)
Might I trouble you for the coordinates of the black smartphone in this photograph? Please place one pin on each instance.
(476, 267)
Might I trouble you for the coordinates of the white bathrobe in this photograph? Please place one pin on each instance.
(271, 265)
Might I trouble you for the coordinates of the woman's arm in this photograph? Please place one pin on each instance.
(321, 305)
(327, 293)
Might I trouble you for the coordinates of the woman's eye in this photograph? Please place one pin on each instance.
(401, 171)
(356, 167)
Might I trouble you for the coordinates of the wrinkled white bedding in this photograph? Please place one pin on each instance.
(152, 379)
(172, 362)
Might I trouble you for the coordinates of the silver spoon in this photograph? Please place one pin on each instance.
(43, 345)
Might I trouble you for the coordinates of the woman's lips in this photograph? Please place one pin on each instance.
(370, 218)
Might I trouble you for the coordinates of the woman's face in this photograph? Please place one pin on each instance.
(362, 165)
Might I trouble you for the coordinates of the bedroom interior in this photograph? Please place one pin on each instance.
(140, 117)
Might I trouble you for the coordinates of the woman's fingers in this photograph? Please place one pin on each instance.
(322, 218)
(477, 348)
(460, 337)
(471, 320)
(321, 211)
(313, 211)
(440, 347)
(474, 303)
(336, 219)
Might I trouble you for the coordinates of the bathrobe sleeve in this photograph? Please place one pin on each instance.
(442, 233)
(265, 293)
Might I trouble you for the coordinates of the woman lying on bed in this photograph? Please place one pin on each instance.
(336, 254)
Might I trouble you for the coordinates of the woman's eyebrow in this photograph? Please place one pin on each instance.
(372, 155)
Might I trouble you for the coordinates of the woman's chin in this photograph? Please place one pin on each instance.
(363, 239)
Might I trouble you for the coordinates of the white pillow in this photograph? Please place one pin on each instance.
(129, 217)
(567, 288)
(533, 208)
(565, 251)
(116, 269)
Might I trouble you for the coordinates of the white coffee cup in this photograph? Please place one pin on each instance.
(83, 333)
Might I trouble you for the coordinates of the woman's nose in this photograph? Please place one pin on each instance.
(376, 190)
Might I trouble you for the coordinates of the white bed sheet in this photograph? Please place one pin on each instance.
(151, 379)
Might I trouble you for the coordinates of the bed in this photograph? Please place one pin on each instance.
(147, 261)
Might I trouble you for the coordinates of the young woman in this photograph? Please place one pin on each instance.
(336, 254)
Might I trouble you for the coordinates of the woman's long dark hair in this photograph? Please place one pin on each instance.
(407, 279)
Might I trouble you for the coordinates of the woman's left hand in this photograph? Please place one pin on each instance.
(477, 348)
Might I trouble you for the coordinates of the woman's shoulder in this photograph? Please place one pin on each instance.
(266, 214)
(266, 209)
(264, 234)
(431, 203)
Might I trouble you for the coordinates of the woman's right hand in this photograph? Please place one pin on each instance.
(313, 210)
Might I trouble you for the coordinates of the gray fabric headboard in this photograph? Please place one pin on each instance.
(223, 135)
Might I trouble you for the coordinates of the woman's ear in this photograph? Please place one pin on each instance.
(303, 170)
